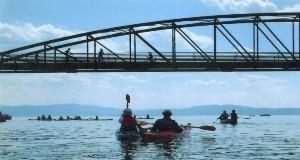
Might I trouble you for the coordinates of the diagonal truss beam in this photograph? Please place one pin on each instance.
(276, 37)
(64, 53)
(272, 43)
(153, 48)
(232, 43)
(115, 54)
(193, 44)
(239, 44)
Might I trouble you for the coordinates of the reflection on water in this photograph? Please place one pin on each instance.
(129, 147)
(273, 137)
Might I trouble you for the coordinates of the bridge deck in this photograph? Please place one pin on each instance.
(187, 61)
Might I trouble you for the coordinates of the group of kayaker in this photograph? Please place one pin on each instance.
(61, 118)
(224, 117)
(129, 123)
(44, 118)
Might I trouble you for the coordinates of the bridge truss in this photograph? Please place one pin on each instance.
(255, 42)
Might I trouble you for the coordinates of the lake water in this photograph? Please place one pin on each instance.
(275, 137)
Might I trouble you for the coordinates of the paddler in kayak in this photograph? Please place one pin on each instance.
(128, 123)
(166, 123)
(234, 117)
(223, 116)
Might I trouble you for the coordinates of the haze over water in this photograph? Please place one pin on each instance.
(274, 137)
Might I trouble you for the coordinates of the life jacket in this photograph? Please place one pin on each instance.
(128, 124)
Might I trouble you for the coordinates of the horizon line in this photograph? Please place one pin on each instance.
(142, 108)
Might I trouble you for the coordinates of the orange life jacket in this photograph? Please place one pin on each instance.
(128, 124)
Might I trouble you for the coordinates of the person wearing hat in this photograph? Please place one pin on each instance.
(234, 117)
(223, 116)
(166, 123)
(128, 123)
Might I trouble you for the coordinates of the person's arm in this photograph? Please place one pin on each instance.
(138, 125)
(178, 128)
(155, 126)
(121, 119)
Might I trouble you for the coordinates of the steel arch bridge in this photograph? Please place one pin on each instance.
(92, 51)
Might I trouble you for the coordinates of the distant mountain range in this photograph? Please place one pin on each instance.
(88, 110)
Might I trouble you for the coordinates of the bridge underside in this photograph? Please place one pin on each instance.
(152, 67)
(239, 42)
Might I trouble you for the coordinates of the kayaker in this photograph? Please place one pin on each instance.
(166, 123)
(223, 116)
(61, 118)
(234, 117)
(78, 118)
(128, 123)
(2, 119)
(49, 118)
(43, 118)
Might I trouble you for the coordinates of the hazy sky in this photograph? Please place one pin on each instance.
(29, 21)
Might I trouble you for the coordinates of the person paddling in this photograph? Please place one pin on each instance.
(2, 119)
(166, 123)
(223, 116)
(234, 117)
(128, 123)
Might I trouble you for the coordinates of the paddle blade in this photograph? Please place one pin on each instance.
(208, 128)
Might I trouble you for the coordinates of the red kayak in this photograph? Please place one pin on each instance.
(166, 135)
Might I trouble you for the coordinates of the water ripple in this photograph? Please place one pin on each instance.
(271, 138)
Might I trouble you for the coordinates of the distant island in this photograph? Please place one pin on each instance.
(90, 110)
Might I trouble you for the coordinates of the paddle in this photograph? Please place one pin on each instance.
(204, 127)
(215, 121)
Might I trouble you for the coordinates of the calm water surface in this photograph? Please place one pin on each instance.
(275, 137)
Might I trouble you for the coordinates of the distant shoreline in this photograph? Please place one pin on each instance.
(158, 116)
(90, 110)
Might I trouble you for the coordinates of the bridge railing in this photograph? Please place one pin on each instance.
(144, 57)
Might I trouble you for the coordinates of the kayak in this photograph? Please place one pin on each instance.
(225, 121)
(167, 135)
(265, 115)
(127, 135)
